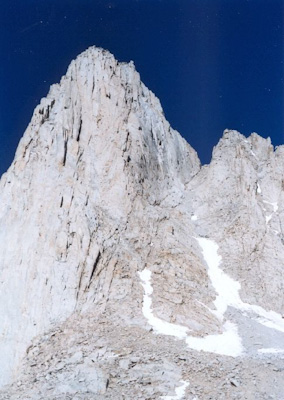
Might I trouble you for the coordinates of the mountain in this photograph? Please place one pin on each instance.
(128, 271)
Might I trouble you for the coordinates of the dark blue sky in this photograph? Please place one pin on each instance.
(214, 64)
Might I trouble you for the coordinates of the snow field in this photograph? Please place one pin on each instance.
(229, 342)
(160, 326)
(228, 289)
(180, 392)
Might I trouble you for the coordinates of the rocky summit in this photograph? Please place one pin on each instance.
(127, 269)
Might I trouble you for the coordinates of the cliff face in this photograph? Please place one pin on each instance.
(111, 232)
(97, 148)
(240, 198)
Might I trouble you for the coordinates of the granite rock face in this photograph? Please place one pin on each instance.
(127, 269)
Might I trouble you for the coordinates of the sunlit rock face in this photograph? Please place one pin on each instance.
(98, 149)
(240, 197)
(118, 250)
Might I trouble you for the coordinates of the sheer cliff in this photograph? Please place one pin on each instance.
(124, 263)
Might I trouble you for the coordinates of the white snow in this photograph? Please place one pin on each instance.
(160, 326)
(270, 319)
(273, 204)
(193, 217)
(180, 392)
(258, 189)
(271, 351)
(228, 289)
(226, 343)
(275, 209)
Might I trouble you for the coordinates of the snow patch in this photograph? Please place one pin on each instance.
(180, 392)
(228, 289)
(258, 189)
(275, 209)
(160, 326)
(273, 204)
(193, 217)
(227, 343)
(270, 319)
(271, 351)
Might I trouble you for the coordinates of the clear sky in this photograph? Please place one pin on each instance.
(214, 64)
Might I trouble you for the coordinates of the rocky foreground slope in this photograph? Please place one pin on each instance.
(128, 271)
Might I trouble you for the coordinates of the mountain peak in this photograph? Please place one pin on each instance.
(122, 258)
(97, 147)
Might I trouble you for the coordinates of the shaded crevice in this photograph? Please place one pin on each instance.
(94, 268)
(65, 137)
(79, 284)
(65, 152)
(26, 147)
(45, 114)
(79, 130)
(79, 157)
